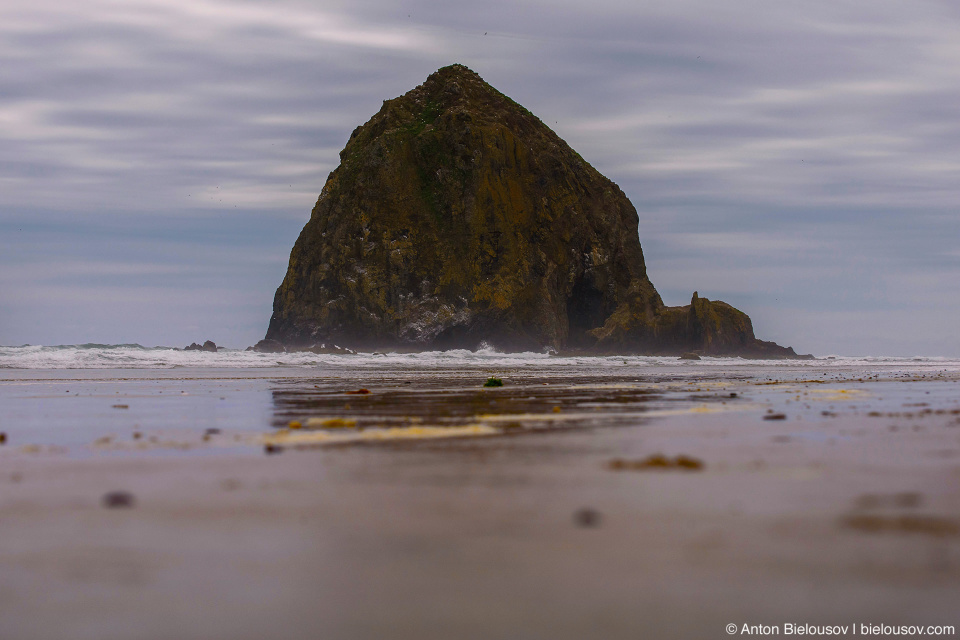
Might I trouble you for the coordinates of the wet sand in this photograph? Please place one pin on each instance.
(542, 523)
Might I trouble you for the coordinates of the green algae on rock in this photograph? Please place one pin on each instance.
(457, 217)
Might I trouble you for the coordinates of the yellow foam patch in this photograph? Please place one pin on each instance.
(530, 417)
(839, 394)
(330, 423)
(704, 409)
(395, 433)
(627, 386)
(288, 438)
(723, 408)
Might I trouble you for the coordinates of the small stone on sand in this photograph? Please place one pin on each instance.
(118, 500)
(587, 517)
(656, 462)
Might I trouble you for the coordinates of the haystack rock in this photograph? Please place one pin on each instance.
(456, 217)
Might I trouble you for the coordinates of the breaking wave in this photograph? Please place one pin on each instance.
(135, 356)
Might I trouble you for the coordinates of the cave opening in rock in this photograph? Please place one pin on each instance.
(586, 310)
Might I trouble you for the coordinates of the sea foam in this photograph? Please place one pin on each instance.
(135, 356)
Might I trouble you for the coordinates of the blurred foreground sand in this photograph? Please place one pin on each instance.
(846, 511)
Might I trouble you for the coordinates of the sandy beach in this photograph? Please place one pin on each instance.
(817, 493)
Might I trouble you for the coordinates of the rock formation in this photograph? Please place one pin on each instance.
(209, 345)
(457, 217)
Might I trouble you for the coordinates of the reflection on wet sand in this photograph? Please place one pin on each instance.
(443, 402)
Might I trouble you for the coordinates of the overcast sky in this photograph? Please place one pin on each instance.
(800, 161)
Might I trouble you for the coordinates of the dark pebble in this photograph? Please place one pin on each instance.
(3, 437)
(272, 448)
(775, 416)
(118, 500)
(587, 517)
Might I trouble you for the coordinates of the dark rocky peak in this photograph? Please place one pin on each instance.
(457, 217)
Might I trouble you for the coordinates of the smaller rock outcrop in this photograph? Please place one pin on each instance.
(713, 327)
(209, 345)
(268, 345)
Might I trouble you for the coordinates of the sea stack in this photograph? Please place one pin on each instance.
(456, 218)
